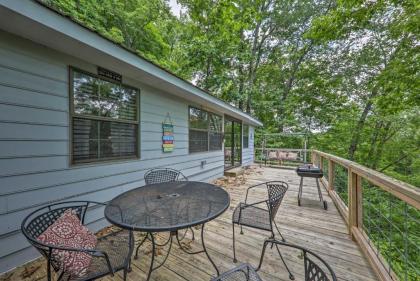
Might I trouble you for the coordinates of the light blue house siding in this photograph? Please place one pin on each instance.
(35, 164)
(248, 153)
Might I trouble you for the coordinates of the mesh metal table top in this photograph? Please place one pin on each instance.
(167, 206)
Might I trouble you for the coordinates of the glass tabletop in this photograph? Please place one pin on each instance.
(167, 206)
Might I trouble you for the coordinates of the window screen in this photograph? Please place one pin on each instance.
(205, 131)
(215, 132)
(246, 136)
(104, 119)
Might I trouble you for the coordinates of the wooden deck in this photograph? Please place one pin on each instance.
(310, 226)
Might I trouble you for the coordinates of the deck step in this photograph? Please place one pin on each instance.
(234, 172)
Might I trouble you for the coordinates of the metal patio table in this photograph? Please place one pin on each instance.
(168, 207)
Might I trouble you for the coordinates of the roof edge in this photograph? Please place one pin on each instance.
(249, 117)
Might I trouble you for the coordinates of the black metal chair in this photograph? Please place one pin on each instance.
(110, 255)
(253, 216)
(160, 175)
(315, 268)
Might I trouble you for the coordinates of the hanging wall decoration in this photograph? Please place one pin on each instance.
(168, 134)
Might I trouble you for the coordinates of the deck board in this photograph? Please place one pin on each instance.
(324, 232)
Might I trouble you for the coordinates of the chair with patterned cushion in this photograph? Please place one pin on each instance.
(163, 175)
(314, 267)
(111, 253)
(261, 217)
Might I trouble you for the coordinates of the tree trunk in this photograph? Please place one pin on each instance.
(289, 84)
(380, 147)
(360, 124)
(373, 142)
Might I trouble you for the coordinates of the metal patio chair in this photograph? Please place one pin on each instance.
(160, 175)
(315, 268)
(110, 255)
(254, 216)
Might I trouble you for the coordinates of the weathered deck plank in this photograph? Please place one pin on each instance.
(322, 231)
(310, 226)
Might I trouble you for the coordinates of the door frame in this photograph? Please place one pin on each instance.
(228, 118)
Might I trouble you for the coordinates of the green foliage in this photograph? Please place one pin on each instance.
(345, 72)
(147, 27)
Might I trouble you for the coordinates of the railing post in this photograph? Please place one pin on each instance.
(355, 201)
(330, 174)
(313, 157)
(321, 160)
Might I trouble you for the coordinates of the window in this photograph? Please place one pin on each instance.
(245, 136)
(205, 131)
(104, 119)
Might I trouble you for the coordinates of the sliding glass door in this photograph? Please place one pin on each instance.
(233, 143)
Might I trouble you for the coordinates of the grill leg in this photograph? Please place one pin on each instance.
(320, 195)
(234, 250)
(319, 190)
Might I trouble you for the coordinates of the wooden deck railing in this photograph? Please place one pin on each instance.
(281, 156)
(382, 214)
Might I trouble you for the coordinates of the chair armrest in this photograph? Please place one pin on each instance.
(246, 268)
(244, 206)
(251, 187)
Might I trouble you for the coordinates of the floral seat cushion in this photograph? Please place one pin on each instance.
(68, 231)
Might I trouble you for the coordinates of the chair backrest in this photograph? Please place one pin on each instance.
(276, 191)
(163, 175)
(39, 220)
(316, 268)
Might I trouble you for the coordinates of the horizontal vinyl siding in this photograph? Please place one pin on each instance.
(248, 153)
(34, 144)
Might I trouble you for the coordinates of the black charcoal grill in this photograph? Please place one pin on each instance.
(310, 171)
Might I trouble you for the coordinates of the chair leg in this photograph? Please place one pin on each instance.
(125, 274)
(278, 230)
(49, 266)
(291, 277)
(61, 275)
(234, 250)
(242, 231)
(192, 231)
(262, 256)
(272, 237)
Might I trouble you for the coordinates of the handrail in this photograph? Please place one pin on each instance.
(353, 212)
(264, 156)
(282, 149)
(400, 189)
